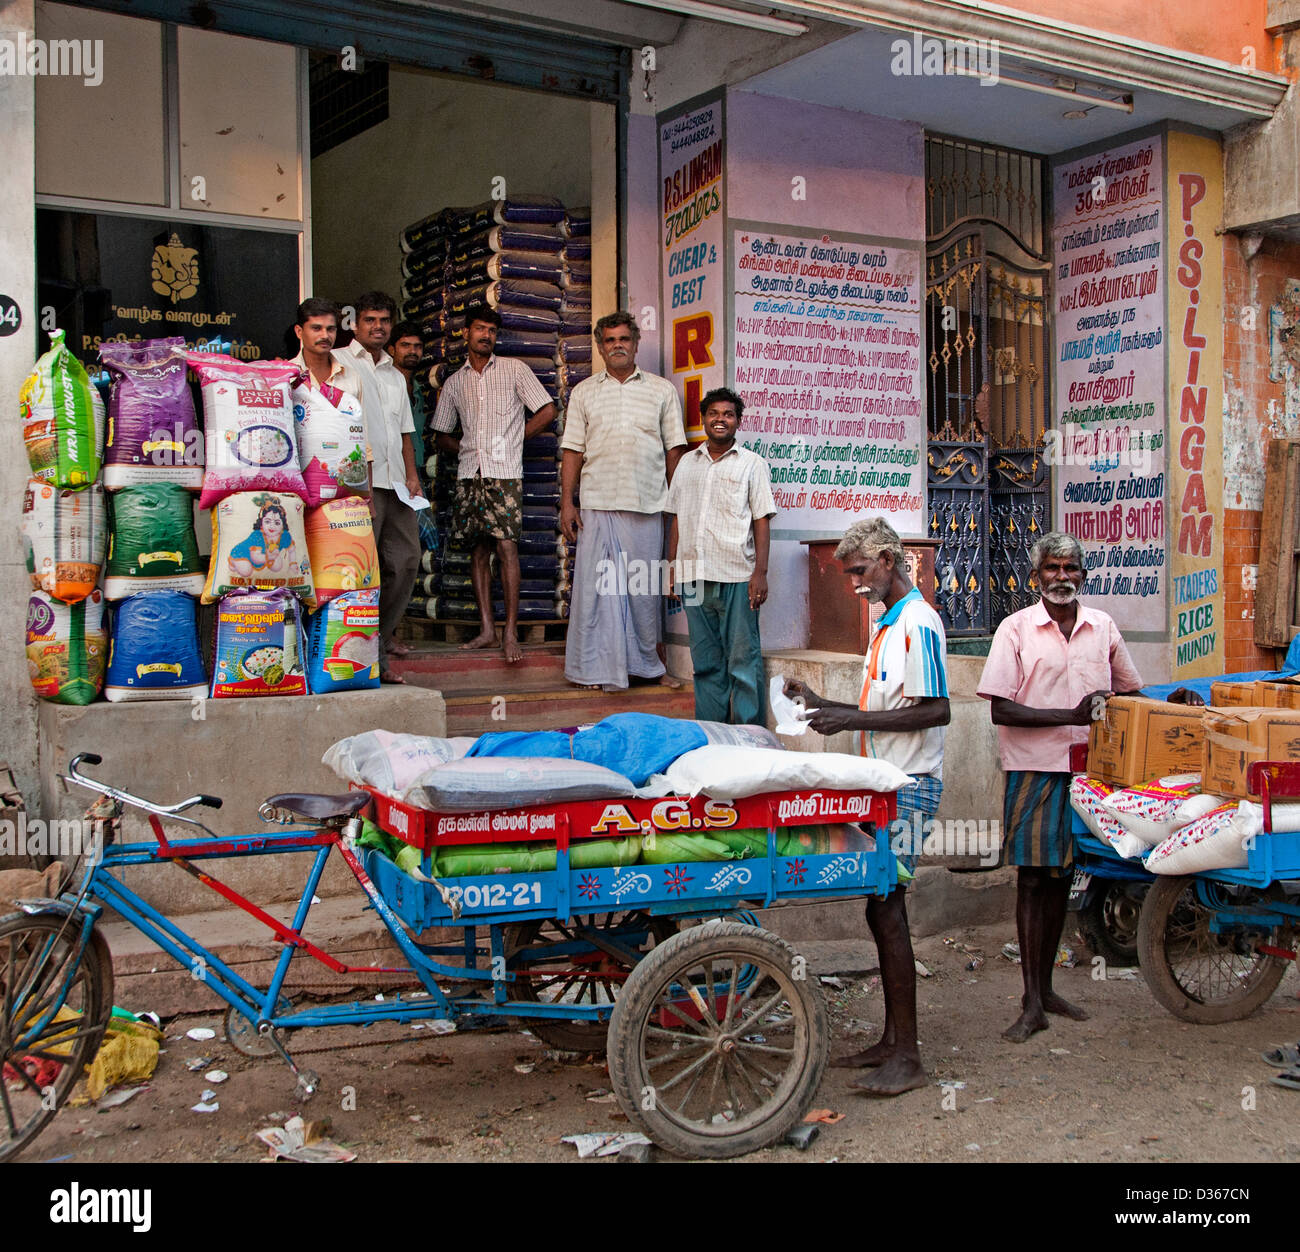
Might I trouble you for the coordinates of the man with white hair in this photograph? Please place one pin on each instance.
(1048, 673)
(900, 717)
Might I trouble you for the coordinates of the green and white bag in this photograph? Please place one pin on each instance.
(63, 419)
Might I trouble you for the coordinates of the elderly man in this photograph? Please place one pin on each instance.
(1048, 673)
(900, 717)
(623, 437)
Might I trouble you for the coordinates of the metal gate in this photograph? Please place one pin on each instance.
(988, 343)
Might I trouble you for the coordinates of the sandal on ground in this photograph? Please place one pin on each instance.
(1287, 1078)
(1287, 1056)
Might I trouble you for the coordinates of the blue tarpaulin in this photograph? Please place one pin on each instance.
(1290, 667)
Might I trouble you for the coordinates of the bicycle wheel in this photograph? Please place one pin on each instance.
(53, 1011)
(1198, 974)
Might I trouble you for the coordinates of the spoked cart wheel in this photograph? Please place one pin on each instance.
(1201, 975)
(41, 1060)
(588, 977)
(719, 1041)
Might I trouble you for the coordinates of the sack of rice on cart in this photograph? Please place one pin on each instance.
(343, 643)
(1152, 812)
(153, 434)
(155, 653)
(392, 763)
(63, 419)
(1215, 840)
(259, 646)
(63, 538)
(461, 861)
(151, 542)
(250, 438)
(67, 645)
(1087, 796)
(259, 544)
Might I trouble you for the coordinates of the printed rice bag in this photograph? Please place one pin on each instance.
(258, 543)
(153, 435)
(1152, 813)
(259, 649)
(250, 437)
(341, 547)
(331, 443)
(151, 543)
(155, 652)
(63, 538)
(63, 419)
(390, 762)
(1087, 798)
(67, 645)
(343, 643)
(1215, 840)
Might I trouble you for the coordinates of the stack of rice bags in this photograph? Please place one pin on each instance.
(510, 255)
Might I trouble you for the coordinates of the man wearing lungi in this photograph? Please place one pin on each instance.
(900, 717)
(623, 437)
(1049, 671)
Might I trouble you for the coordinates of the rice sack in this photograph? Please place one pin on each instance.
(258, 544)
(343, 643)
(331, 437)
(250, 439)
(341, 548)
(63, 419)
(151, 543)
(153, 435)
(155, 654)
(259, 647)
(63, 538)
(66, 648)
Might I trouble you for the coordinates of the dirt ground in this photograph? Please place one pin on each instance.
(1131, 1084)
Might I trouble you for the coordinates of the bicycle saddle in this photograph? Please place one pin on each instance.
(317, 808)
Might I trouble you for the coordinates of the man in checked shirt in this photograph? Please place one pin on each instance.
(489, 395)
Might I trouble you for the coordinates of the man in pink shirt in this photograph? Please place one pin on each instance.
(1048, 674)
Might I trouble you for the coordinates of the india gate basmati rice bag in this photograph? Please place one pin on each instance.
(151, 542)
(341, 545)
(258, 544)
(259, 649)
(249, 436)
(155, 654)
(63, 419)
(153, 435)
(63, 537)
(343, 643)
(67, 646)
(331, 443)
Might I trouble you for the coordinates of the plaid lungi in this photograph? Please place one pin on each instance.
(487, 508)
(1036, 820)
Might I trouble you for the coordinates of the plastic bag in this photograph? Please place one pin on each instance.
(389, 762)
(64, 534)
(259, 649)
(63, 419)
(331, 438)
(343, 643)
(258, 542)
(155, 652)
(67, 645)
(151, 542)
(341, 548)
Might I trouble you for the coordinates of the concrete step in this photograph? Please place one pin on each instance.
(458, 670)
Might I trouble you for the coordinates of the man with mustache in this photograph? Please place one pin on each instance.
(900, 718)
(1049, 671)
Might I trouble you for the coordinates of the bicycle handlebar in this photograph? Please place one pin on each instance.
(172, 811)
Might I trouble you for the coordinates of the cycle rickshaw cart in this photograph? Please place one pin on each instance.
(717, 1033)
(1214, 946)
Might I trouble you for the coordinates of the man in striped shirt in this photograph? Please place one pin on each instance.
(488, 396)
(900, 717)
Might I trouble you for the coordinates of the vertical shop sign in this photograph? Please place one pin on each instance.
(691, 158)
(1195, 257)
(828, 348)
(1109, 446)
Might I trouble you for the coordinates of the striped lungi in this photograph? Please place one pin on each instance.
(915, 806)
(1036, 820)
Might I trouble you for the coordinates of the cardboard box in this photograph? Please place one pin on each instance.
(1230, 695)
(1139, 740)
(1277, 695)
(1234, 738)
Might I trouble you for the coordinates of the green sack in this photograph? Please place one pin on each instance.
(408, 857)
(63, 419)
(668, 849)
(151, 542)
(602, 853)
(534, 858)
(372, 837)
(750, 842)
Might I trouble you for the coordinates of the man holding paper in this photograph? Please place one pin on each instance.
(900, 717)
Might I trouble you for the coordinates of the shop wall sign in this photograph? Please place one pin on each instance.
(225, 289)
(691, 179)
(1112, 485)
(828, 346)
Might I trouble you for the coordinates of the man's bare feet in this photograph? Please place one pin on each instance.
(510, 646)
(877, 1054)
(397, 648)
(484, 639)
(1053, 1003)
(1030, 1022)
(898, 1074)
(387, 676)
(667, 680)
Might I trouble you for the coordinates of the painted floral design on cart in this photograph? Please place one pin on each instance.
(795, 870)
(589, 886)
(676, 878)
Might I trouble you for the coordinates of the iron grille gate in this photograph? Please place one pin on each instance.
(988, 340)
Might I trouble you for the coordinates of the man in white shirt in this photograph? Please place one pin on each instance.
(901, 715)
(722, 507)
(389, 426)
(623, 437)
(489, 396)
(316, 324)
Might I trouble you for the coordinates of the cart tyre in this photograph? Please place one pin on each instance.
(641, 1008)
(1162, 937)
(1108, 924)
(90, 993)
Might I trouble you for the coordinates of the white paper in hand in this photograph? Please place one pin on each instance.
(789, 715)
(412, 502)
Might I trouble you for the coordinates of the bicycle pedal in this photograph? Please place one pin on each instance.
(307, 1085)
